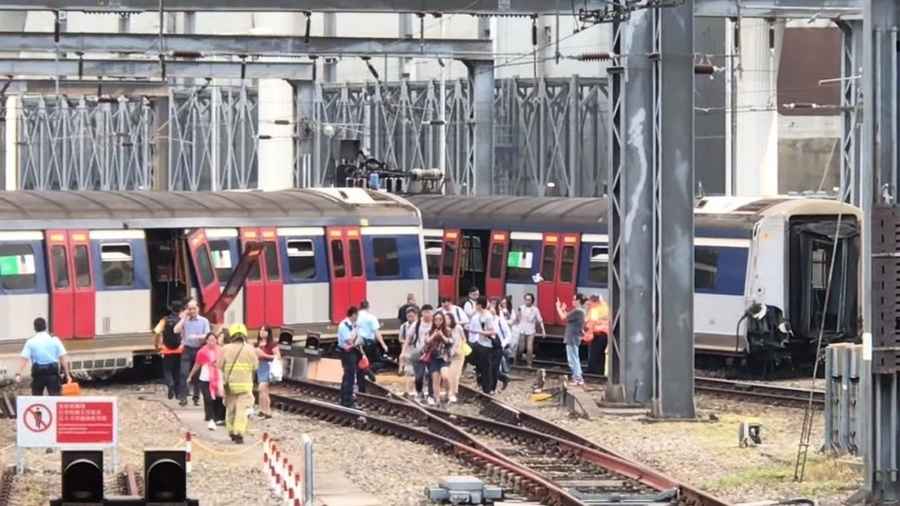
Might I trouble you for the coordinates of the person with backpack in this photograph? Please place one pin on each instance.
(168, 342)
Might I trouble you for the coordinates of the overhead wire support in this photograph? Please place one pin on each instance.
(621, 10)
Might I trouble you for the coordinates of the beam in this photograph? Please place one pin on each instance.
(823, 9)
(245, 45)
(149, 69)
(522, 7)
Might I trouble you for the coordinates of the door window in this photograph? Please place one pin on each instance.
(356, 266)
(301, 259)
(60, 262)
(207, 274)
(337, 258)
(496, 267)
(567, 267)
(220, 251)
(82, 266)
(548, 265)
(433, 257)
(449, 258)
(273, 271)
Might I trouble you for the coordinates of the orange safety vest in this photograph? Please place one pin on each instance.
(598, 318)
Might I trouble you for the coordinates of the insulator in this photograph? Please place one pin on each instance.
(594, 57)
(704, 69)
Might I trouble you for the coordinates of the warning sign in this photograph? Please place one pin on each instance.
(48, 422)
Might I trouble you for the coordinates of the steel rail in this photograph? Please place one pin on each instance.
(6, 482)
(128, 482)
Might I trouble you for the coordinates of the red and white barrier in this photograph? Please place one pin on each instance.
(187, 450)
(283, 481)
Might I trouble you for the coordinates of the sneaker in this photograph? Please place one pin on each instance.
(220, 423)
(182, 402)
(196, 401)
(431, 401)
(419, 398)
(171, 394)
(211, 425)
(505, 382)
(452, 399)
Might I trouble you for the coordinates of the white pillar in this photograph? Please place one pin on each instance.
(276, 111)
(757, 109)
(11, 164)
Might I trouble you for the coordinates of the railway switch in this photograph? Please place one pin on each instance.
(463, 490)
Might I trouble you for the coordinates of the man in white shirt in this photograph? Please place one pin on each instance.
(448, 307)
(472, 302)
(482, 329)
(369, 327)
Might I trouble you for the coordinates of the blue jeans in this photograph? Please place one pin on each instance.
(574, 360)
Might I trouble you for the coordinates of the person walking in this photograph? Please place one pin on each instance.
(237, 365)
(404, 309)
(457, 356)
(448, 307)
(598, 322)
(168, 342)
(193, 329)
(211, 386)
(421, 334)
(368, 327)
(437, 357)
(574, 319)
(481, 336)
(471, 305)
(47, 356)
(349, 343)
(267, 351)
(405, 334)
(528, 318)
(503, 343)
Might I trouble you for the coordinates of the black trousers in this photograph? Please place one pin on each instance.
(597, 354)
(213, 409)
(45, 376)
(172, 372)
(188, 356)
(486, 367)
(352, 374)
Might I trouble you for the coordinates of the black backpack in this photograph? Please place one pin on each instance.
(171, 339)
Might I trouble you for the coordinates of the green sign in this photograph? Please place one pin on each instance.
(9, 266)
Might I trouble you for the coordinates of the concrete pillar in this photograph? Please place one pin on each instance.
(481, 75)
(406, 69)
(276, 111)
(161, 139)
(11, 22)
(329, 71)
(757, 114)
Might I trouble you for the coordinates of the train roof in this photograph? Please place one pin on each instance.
(146, 210)
(714, 216)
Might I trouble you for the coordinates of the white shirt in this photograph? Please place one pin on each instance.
(529, 317)
(478, 322)
(470, 308)
(204, 373)
(504, 332)
(461, 317)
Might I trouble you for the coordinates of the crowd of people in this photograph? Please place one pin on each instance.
(488, 333)
(220, 367)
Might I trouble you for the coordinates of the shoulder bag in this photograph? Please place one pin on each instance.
(228, 376)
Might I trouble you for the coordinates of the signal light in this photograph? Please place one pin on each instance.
(82, 477)
(165, 476)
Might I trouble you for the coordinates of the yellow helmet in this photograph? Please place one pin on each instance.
(237, 329)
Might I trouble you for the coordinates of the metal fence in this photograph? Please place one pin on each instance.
(844, 420)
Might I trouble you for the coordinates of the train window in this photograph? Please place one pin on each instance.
(567, 266)
(433, 257)
(254, 270)
(820, 265)
(82, 266)
(449, 258)
(301, 259)
(598, 267)
(59, 260)
(496, 267)
(337, 258)
(519, 262)
(207, 274)
(356, 267)
(118, 265)
(17, 267)
(548, 265)
(706, 268)
(220, 251)
(387, 257)
(273, 270)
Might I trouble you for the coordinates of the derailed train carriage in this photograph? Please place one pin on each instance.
(103, 266)
(774, 252)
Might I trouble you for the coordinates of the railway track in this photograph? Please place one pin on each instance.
(6, 481)
(553, 467)
(8, 406)
(130, 482)
(744, 390)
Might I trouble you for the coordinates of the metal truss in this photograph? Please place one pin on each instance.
(851, 114)
(146, 68)
(212, 139)
(617, 195)
(85, 144)
(546, 131)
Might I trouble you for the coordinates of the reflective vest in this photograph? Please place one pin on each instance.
(238, 363)
(598, 318)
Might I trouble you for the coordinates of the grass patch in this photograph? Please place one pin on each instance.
(824, 477)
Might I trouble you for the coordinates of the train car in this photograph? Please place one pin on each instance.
(103, 266)
(773, 251)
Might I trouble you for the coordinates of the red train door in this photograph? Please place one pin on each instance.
(207, 279)
(357, 260)
(567, 269)
(273, 286)
(448, 279)
(62, 292)
(85, 290)
(340, 281)
(495, 279)
(254, 286)
(72, 289)
(547, 286)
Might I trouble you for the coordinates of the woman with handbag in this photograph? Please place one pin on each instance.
(437, 356)
(211, 386)
(267, 351)
(459, 349)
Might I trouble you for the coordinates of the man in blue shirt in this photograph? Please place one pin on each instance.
(368, 327)
(193, 329)
(348, 341)
(46, 354)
